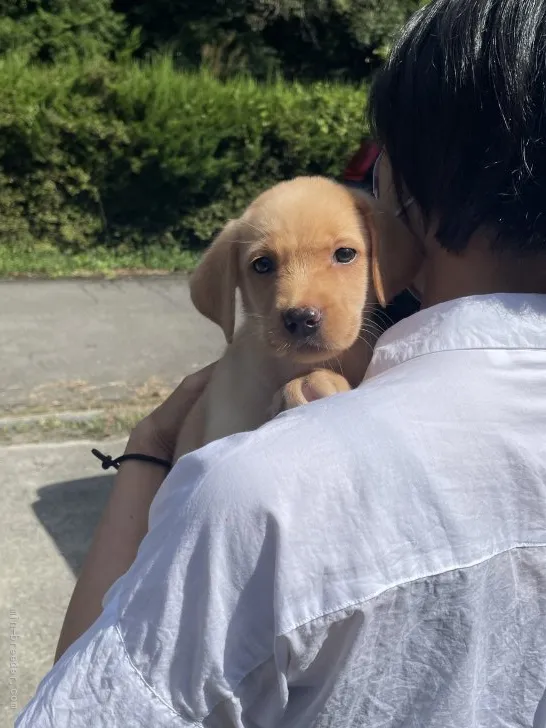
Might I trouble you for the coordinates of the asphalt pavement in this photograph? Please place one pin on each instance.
(71, 346)
(65, 343)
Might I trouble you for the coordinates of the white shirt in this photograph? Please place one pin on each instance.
(375, 559)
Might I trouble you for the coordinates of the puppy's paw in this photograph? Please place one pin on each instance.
(316, 385)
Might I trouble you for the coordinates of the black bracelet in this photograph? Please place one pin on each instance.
(110, 462)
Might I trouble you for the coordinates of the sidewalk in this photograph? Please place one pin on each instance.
(75, 349)
(53, 496)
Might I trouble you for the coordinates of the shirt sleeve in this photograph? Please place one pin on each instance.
(95, 684)
(190, 620)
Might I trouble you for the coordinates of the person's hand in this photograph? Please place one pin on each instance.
(157, 434)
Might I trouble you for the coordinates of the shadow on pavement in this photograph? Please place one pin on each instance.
(70, 511)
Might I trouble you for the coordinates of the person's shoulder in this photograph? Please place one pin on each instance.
(298, 454)
(336, 447)
(318, 491)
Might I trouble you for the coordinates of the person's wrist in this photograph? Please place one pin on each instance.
(145, 441)
(147, 476)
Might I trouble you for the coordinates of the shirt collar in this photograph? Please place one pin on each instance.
(495, 321)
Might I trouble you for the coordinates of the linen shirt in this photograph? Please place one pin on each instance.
(375, 559)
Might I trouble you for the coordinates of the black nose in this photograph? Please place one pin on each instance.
(302, 322)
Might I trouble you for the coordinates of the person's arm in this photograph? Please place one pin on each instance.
(124, 522)
(194, 613)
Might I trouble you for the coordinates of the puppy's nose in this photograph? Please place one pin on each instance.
(302, 322)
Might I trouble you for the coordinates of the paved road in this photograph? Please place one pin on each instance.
(67, 343)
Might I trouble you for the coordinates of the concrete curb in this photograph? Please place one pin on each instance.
(77, 416)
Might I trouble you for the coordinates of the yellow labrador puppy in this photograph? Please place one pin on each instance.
(312, 260)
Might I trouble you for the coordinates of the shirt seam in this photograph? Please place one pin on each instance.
(150, 688)
(197, 723)
(353, 603)
(408, 582)
(365, 600)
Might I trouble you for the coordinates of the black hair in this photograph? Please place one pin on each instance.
(461, 109)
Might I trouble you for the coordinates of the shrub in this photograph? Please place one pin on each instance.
(52, 30)
(311, 39)
(128, 155)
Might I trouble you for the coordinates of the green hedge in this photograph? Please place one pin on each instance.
(125, 155)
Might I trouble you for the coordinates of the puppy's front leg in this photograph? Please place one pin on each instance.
(316, 385)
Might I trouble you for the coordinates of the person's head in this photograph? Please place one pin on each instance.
(460, 108)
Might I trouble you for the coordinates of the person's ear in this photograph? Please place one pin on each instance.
(396, 254)
(213, 284)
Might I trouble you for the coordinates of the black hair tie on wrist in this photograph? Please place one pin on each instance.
(110, 462)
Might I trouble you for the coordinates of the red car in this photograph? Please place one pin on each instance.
(359, 173)
(359, 170)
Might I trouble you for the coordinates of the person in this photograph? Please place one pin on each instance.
(375, 558)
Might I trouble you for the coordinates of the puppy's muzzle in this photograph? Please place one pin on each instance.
(302, 323)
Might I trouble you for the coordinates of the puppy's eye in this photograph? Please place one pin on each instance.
(345, 255)
(263, 265)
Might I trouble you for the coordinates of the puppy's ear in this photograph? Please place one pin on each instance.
(396, 253)
(213, 284)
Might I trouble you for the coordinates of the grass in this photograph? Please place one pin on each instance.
(86, 415)
(50, 262)
(116, 422)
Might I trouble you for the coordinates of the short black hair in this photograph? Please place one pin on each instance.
(460, 107)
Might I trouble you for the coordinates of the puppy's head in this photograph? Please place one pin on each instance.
(307, 256)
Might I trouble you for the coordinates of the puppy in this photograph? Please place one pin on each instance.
(312, 259)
